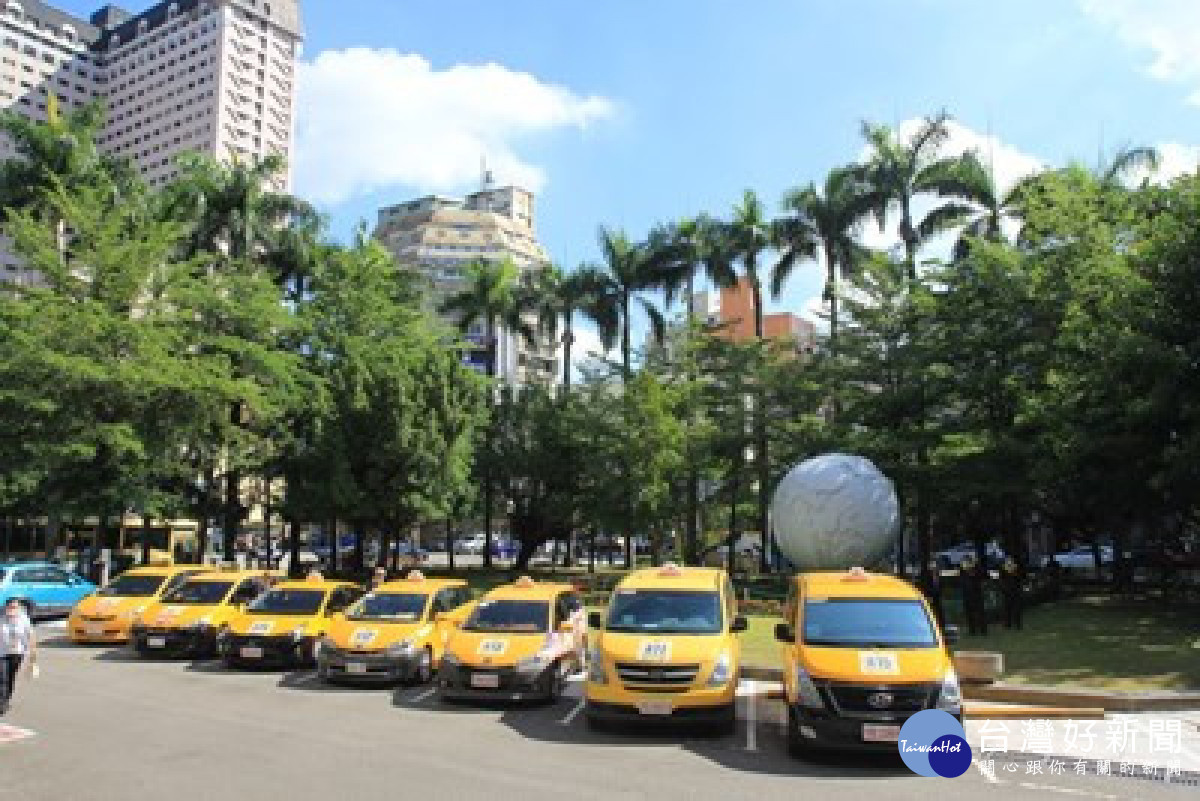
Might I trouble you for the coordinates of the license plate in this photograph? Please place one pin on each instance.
(489, 681)
(356, 667)
(655, 707)
(94, 630)
(156, 642)
(880, 734)
(250, 652)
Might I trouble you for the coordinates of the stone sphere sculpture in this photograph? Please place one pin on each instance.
(834, 512)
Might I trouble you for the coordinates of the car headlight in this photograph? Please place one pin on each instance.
(402, 648)
(722, 671)
(807, 694)
(596, 672)
(950, 697)
(450, 660)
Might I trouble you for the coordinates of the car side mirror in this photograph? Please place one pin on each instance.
(739, 624)
(783, 633)
(595, 621)
(950, 634)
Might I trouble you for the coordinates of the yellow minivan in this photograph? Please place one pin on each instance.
(862, 653)
(666, 649)
(285, 625)
(521, 642)
(107, 615)
(396, 632)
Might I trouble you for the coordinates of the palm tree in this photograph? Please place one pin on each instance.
(236, 217)
(494, 296)
(897, 172)
(682, 252)
(828, 219)
(900, 170)
(618, 284)
(558, 296)
(748, 236)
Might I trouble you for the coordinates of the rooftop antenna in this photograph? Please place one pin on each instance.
(485, 175)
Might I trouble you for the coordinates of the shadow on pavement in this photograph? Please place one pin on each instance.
(769, 755)
(306, 680)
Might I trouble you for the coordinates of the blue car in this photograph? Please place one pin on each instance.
(43, 587)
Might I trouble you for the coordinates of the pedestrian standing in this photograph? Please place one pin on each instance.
(17, 643)
(930, 583)
(1011, 581)
(972, 589)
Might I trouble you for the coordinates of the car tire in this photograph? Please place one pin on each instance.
(796, 746)
(598, 724)
(726, 724)
(556, 681)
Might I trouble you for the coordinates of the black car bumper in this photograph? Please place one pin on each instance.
(174, 643)
(701, 715)
(240, 650)
(463, 682)
(825, 730)
(356, 668)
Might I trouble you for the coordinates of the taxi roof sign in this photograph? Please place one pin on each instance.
(856, 574)
(670, 569)
(523, 581)
(415, 575)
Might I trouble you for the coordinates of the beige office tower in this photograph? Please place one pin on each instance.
(214, 76)
(441, 235)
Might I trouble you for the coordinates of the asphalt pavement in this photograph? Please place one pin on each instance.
(102, 724)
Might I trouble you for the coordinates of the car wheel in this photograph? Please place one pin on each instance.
(598, 724)
(424, 671)
(556, 680)
(795, 743)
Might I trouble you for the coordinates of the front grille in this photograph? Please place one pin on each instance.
(880, 698)
(657, 678)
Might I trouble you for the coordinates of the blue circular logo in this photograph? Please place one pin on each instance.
(933, 743)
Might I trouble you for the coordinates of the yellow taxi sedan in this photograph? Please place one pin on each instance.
(185, 622)
(520, 642)
(397, 632)
(107, 615)
(285, 626)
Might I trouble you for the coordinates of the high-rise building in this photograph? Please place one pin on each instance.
(441, 235)
(213, 76)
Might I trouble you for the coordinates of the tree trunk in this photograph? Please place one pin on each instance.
(592, 549)
(732, 534)
(568, 340)
(202, 539)
(359, 558)
(691, 528)
(487, 470)
(760, 441)
(626, 375)
(450, 544)
(146, 539)
(333, 546)
(294, 559)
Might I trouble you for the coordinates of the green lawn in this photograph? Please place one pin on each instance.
(1099, 643)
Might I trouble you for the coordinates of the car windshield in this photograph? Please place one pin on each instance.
(526, 617)
(867, 623)
(129, 586)
(389, 606)
(199, 592)
(666, 611)
(288, 602)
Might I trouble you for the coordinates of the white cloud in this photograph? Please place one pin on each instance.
(377, 118)
(1169, 29)
(816, 311)
(1176, 160)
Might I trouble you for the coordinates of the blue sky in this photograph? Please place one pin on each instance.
(630, 112)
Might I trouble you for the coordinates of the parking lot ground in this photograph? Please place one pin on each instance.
(106, 725)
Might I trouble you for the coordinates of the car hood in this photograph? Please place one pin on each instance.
(276, 625)
(494, 649)
(110, 607)
(884, 665)
(164, 615)
(372, 635)
(666, 648)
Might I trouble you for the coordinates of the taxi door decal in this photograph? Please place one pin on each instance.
(878, 663)
(261, 627)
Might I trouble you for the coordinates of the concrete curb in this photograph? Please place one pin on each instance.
(1042, 696)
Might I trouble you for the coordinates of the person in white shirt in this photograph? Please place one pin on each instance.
(17, 642)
